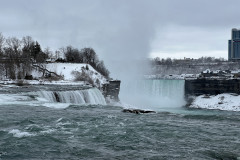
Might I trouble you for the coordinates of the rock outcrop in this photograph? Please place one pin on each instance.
(111, 90)
(137, 111)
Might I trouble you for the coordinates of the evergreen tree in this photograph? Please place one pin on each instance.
(36, 50)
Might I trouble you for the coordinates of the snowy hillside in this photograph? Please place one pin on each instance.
(229, 102)
(70, 71)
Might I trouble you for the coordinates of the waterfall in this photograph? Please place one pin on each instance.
(88, 96)
(164, 88)
(153, 93)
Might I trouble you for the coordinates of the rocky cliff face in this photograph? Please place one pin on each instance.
(111, 90)
(211, 86)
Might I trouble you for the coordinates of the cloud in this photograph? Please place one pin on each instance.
(124, 29)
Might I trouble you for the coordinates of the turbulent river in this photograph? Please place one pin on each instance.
(68, 122)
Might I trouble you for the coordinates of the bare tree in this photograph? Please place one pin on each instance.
(90, 56)
(14, 44)
(41, 57)
(100, 67)
(27, 42)
(48, 52)
(2, 41)
(73, 55)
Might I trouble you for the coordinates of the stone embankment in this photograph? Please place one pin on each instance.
(211, 86)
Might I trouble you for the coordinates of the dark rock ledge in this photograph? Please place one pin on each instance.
(137, 111)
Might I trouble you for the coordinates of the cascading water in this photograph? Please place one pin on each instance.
(153, 94)
(88, 96)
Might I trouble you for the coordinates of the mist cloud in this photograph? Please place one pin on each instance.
(124, 30)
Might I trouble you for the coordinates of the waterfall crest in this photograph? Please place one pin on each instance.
(88, 96)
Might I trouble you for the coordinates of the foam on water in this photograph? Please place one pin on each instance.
(56, 105)
(19, 134)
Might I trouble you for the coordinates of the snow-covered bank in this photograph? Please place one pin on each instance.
(228, 102)
(70, 72)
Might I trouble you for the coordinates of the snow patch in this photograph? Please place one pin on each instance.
(228, 102)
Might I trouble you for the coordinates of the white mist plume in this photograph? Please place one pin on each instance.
(128, 45)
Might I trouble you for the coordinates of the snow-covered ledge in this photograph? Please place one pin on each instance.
(226, 101)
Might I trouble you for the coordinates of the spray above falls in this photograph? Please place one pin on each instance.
(154, 94)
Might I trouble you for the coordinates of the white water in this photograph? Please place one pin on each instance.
(20, 134)
(88, 96)
(154, 94)
(49, 98)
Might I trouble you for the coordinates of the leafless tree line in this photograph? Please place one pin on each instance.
(85, 55)
(18, 55)
(190, 66)
(170, 61)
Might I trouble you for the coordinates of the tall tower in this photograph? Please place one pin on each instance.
(234, 45)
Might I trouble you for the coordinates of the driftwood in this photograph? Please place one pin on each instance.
(44, 70)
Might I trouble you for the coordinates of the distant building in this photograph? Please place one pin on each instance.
(234, 45)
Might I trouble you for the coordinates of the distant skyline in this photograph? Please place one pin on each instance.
(125, 29)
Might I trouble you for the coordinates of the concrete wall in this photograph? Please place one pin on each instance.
(211, 86)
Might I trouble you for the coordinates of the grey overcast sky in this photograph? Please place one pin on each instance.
(119, 29)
